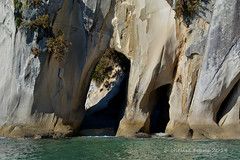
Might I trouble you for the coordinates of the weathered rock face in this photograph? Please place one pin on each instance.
(202, 109)
(187, 76)
(42, 89)
(7, 45)
(146, 34)
(19, 70)
(219, 71)
(192, 42)
(62, 87)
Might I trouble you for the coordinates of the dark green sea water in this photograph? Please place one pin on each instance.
(93, 148)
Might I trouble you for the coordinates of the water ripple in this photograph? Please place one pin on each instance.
(110, 148)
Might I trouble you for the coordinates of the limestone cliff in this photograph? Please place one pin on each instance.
(177, 69)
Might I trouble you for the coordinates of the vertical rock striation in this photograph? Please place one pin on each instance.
(19, 69)
(145, 32)
(185, 74)
(190, 51)
(40, 91)
(219, 70)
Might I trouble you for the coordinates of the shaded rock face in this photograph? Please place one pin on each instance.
(38, 87)
(159, 115)
(182, 79)
(62, 87)
(106, 103)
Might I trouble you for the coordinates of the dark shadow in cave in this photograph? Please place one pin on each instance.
(159, 116)
(229, 102)
(102, 119)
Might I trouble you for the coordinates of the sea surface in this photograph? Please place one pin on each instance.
(111, 148)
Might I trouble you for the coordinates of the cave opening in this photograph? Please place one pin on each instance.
(159, 116)
(110, 92)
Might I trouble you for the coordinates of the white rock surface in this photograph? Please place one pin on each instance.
(102, 94)
(220, 69)
(147, 36)
(19, 69)
(39, 95)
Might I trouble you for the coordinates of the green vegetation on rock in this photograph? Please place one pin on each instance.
(102, 70)
(106, 64)
(18, 12)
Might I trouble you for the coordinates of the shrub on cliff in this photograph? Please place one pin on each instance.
(36, 3)
(58, 46)
(40, 22)
(186, 9)
(102, 70)
(106, 64)
(18, 12)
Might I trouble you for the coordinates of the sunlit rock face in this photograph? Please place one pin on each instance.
(145, 32)
(19, 69)
(101, 94)
(204, 99)
(7, 45)
(181, 78)
(219, 72)
(191, 47)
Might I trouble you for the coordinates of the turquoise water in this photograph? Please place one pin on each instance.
(93, 148)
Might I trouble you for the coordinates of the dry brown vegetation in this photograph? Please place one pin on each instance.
(40, 22)
(58, 46)
(35, 51)
(186, 8)
(36, 3)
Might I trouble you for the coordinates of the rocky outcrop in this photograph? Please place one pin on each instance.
(19, 70)
(146, 34)
(36, 87)
(183, 74)
(219, 71)
(198, 110)
(191, 48)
